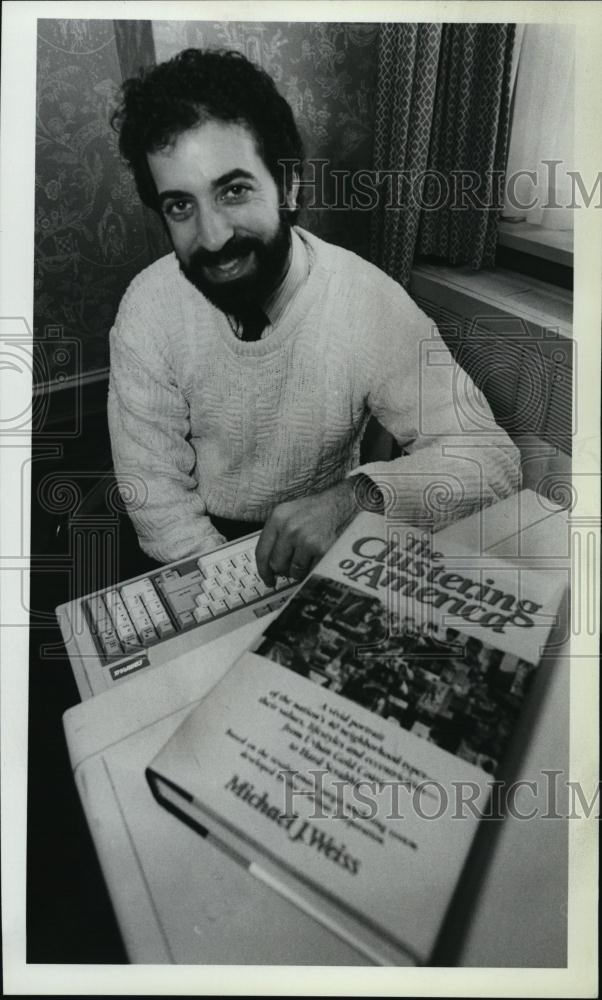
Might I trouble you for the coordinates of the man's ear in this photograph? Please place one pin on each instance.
(291, 197)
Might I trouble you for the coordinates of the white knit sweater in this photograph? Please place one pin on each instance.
(202, 422)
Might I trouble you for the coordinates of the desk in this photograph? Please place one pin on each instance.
(178, 900)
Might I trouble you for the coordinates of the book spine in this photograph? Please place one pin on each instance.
(183, 806)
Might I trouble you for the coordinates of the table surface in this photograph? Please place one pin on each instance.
(176, 897)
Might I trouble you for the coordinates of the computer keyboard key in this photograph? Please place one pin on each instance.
(99, 615)
(277, 603)
(182, 600)
(131, 644)
(162, 623)
(137, 589)
(249, 594)
(169, 580)
(188, 592)
(147, 634)
(121, 620)
(110, 643)
(219, 606)
(202, 614)
(235, 600)
(261, 610)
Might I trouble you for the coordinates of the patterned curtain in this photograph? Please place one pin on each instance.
(441, 133)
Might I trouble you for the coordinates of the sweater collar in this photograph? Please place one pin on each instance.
(295, 277)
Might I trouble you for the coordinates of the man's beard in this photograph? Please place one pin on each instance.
(238, 295)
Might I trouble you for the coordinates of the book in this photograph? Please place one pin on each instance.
(346, 759)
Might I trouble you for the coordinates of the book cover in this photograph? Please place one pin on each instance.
(348, 757)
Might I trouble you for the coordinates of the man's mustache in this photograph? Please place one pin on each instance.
(237, 246)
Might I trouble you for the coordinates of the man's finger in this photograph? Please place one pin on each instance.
(282, 554)
(299, 566)
(303, 559)
(267, 540)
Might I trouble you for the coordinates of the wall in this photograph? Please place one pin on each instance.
(91, 233)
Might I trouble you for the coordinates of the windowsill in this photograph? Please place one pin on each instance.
(500, 291)
(550, 244)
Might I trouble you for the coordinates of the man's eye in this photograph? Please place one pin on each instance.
(178, 209)
(236, 192)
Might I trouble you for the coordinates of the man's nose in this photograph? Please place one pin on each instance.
(213, 230)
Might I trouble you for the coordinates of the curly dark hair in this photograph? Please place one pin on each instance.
(194, 86)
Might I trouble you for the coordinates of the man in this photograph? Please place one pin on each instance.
(245, 365)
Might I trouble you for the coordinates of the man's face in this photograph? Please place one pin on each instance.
(220, 203)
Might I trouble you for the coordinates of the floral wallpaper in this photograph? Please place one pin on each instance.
(91, 232)
(92, 235)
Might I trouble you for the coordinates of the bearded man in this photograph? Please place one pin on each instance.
(246, 364)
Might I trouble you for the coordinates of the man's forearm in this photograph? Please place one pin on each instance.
(447, 480)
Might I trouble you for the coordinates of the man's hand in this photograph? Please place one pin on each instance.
(299, 532)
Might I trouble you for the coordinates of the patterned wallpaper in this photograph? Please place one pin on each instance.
(91, 237)
(91, 233)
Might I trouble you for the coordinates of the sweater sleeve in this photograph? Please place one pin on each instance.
(456, 458)
(149, 426)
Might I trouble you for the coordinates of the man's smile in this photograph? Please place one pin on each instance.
(235, 268)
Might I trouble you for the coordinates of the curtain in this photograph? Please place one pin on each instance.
(441, 133)
(136, 51)
(135, 46)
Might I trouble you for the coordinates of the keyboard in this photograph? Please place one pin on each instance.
(144, 622)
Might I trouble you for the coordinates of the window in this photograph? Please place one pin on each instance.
(537, 218)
